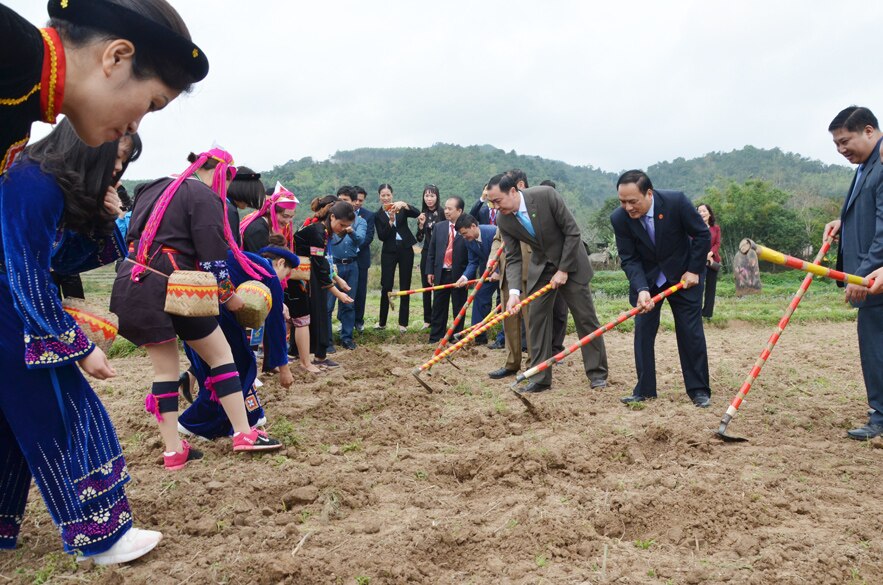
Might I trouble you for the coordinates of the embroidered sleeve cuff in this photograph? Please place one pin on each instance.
(225, 290)
(50, 351)
(110, 248)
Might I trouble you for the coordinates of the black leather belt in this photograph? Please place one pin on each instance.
(345, 261)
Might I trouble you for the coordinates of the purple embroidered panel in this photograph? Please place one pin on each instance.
(70, 346)
(102, 480)
(102, 524)
(9, 527)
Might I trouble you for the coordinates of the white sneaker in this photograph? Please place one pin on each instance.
(262, 422)
(135, 543)
(188, 433)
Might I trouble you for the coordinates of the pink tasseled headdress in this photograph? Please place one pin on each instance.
(281, 198)
(219, 186)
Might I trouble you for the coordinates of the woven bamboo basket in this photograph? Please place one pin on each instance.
(99, 325)
(302, 271)
(258, 302)
(192, 293)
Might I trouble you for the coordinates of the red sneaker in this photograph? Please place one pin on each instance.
(177, 461)
(256, 440)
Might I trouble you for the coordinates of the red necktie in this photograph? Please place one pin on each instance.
(449, 251)
(494, 216)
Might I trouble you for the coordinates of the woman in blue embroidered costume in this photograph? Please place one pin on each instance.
(205, 417)
(104, 64)
(182, 224)
(56, 213)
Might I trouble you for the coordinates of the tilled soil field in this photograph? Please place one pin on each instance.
(382, 482)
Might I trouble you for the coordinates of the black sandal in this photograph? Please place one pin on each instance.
(184, 385)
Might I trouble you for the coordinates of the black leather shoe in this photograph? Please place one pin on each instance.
(702, 401)
(501, 373)
(635, 398)
(348, 344)
(598, 384)
(496, 345)
(532, 388)
(865, 433)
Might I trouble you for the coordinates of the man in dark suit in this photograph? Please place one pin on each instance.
(481, 212)
(364, 257)
(857, 136)
(446, 264)
(662, 240)
(540, 218)
(479, 240)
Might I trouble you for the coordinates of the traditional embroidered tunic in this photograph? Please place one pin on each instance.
(193, 227)
(31, 81)
(205, 417)
(52, 425)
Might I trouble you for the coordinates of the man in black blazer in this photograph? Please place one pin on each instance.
(446, 262)
(540, 218)
(661, 240)
(364, 257)
(857, 136)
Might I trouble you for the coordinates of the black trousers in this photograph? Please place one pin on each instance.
(710, 290)
(440, 306)
(403, 257)
(362, 290)
(693, 354)
(424, 283)
(69, 285)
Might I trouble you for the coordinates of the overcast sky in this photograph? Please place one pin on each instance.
(614, 85)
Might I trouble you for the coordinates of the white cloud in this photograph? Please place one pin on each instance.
(614, 85)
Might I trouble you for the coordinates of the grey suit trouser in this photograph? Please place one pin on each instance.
(540, 335)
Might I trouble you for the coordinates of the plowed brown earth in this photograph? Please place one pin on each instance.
(382, 482)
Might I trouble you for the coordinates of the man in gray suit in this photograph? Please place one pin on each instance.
(540, 218)
(857, 137)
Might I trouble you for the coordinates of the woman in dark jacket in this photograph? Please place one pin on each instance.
(430, 215)
(391, 222)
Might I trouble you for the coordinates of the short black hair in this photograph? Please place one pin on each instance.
(347, 191)
(548, 183)
(519, 175)
(461, 205)
(637, 177)
(359, 191)
(854, 119)
(465, 221)
(505, 181)
(247, 188)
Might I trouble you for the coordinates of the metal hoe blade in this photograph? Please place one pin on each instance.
(426, 386)
(722, 432)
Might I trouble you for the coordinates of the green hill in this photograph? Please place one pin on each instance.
(463, 170)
